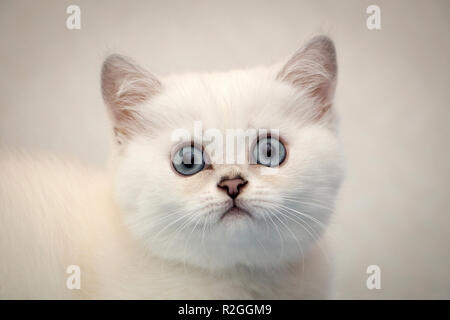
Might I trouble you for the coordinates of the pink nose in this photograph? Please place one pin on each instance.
(232, 186)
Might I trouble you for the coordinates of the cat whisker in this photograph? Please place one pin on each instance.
(177, 231)
(315, 238)
(294, 236)
(294, 219)
(304, 215)
(187, 241)
(184, 216)
(296, 211)
(279, 234)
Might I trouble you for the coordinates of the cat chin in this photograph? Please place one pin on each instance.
(231, 259)
(236, 241)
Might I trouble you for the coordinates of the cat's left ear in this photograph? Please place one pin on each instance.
(125, 87)
(313, 69)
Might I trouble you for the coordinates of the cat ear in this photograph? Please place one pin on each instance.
(313, 69)
(125, 86)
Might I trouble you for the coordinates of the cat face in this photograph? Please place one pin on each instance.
(192, 193)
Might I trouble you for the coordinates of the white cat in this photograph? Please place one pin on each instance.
(163, 227)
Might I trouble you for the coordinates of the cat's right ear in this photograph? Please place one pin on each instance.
(125, 87)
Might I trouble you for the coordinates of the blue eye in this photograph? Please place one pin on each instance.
(188, 160)
(269, 152)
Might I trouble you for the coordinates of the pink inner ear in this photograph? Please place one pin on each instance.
(313, 69)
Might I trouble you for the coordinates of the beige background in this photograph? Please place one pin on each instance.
(393, 98)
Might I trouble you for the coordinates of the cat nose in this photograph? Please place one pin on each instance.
(232, 186)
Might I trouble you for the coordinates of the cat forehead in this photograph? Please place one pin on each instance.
(231, 99)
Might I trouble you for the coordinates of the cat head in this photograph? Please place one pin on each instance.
(191, 192)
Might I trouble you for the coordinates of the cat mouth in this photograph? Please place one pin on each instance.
(235, 212)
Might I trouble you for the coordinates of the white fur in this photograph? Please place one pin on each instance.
(165, 239)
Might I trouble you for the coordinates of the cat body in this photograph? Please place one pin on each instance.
(40, 239)
(158, 226)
